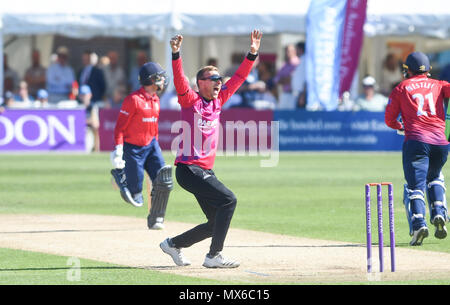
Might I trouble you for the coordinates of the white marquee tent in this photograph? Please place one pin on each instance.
(132, 18)
(160, 19)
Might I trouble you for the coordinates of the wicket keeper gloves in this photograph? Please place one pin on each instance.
(116, 157)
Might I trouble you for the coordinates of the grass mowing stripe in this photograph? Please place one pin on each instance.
(316, 195)
(32, 268)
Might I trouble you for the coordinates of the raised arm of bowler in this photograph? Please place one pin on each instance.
(200, 113)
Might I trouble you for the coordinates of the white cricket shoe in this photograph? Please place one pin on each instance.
(158, 225)
(441, 230)
(175, 253)
(419, 236)
(219, 261)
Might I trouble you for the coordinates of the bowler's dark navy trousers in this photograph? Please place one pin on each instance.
(140, 158)
(216, 201)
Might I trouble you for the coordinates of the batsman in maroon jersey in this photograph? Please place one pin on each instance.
(420, 101)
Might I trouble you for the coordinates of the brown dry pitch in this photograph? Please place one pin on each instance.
(264, 257)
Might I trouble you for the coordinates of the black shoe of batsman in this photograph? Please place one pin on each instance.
(121, 180)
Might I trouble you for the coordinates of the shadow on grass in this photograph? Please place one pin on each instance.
(103, 268)
(66, 231)
(315, 246)
(69, 268)
(300, 246)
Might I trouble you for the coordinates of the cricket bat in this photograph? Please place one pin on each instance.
(149, 190)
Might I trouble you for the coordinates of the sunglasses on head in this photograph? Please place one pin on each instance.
(213, 77)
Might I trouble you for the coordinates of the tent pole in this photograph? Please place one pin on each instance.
(169, 32)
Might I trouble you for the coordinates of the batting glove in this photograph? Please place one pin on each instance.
(116, 157)
(401, 131)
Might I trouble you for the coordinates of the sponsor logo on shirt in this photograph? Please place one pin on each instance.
(205, 124)
(150, 120)
(124, 112)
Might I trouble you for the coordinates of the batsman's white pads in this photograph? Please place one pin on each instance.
(117, 157)
(162, 185)
(408, 195)
(439, 182)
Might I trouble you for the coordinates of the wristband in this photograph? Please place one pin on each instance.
(176, 55)
(251, 56)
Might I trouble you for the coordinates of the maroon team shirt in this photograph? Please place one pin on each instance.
(420, 101)
(138, 119)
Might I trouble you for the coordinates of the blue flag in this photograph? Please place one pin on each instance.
(324, 28)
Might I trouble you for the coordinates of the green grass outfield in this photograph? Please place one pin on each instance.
(316, 195)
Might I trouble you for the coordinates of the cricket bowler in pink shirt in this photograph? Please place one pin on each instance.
(200, 114)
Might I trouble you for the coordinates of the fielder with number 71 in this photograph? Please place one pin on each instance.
(420, 102)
